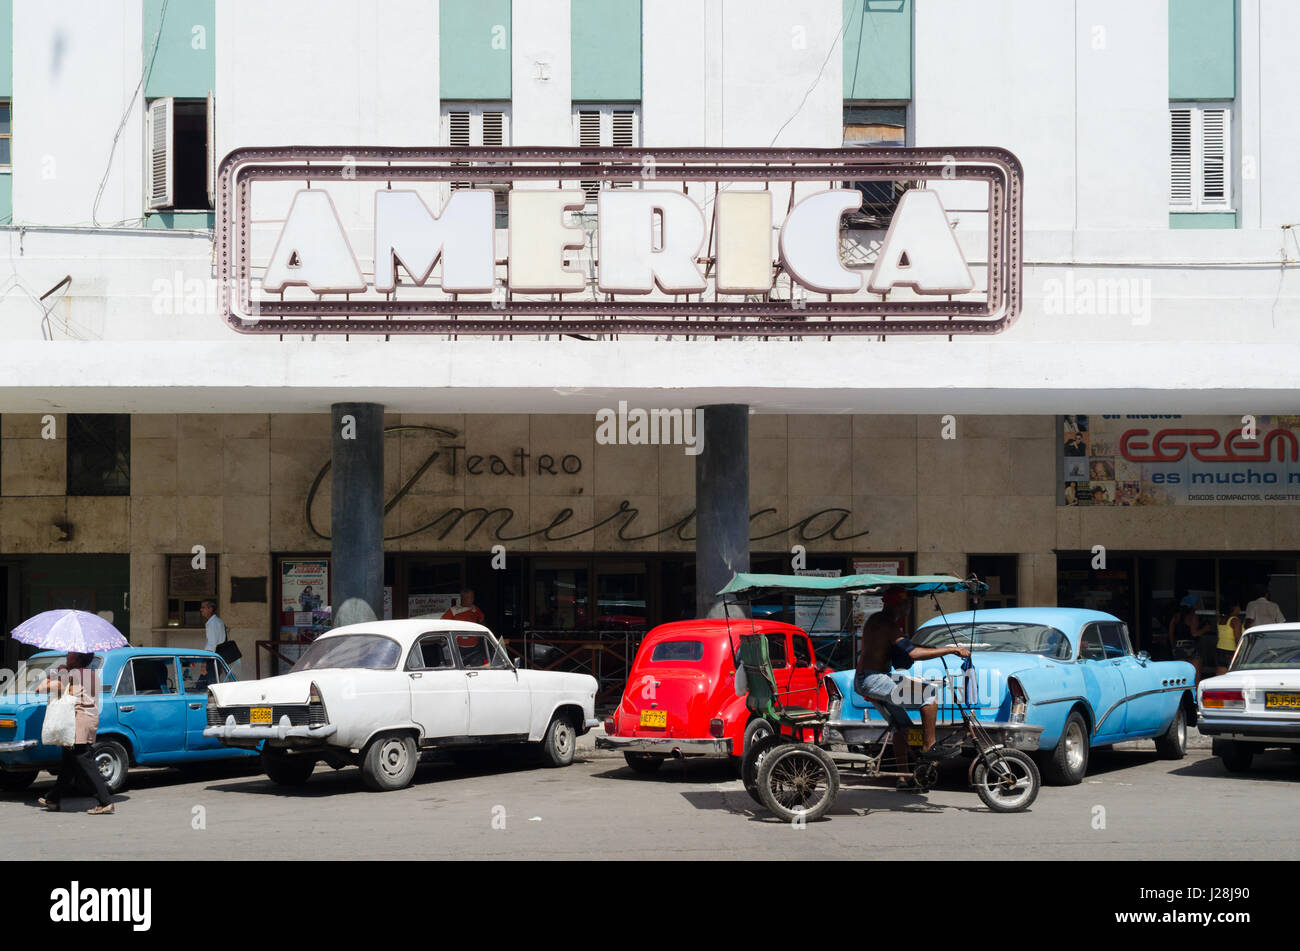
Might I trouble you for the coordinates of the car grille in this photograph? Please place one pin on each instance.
(298, 714)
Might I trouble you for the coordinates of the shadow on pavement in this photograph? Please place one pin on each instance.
(1272, 766)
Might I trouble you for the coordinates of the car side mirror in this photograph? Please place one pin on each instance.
(1143, 656)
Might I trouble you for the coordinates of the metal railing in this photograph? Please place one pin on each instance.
(606, 655)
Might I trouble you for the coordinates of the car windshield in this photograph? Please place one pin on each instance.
(365, 651)
(1271, 651)
(35, 669)
(998, 636)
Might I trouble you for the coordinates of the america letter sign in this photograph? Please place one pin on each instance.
(759, 242)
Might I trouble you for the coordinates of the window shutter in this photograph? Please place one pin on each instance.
(589, 138)
(212, 151)
(494, 128)
(624, 136)
(1180, 157)
(458, 135)
(159, 132)
(1214, 158)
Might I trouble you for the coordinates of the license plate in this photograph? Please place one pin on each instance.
(1282, 701)
(914, 737)
(259, 716)
(654, 718)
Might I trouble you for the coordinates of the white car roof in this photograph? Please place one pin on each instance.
(1291, 627)
(405, 632)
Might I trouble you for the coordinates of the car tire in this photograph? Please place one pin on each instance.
(1068, 763)
(111, 759)
(1236, 756)
(644, 763)
(1173, 744)
(754, 730)
(17, 780)
(287, 769)
(389, 762)
(753, 759)
(560, 742)
(798, 781)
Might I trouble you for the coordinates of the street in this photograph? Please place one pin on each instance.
(1131, 806)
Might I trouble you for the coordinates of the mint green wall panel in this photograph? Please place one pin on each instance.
(1203, 219)
(180, 220)
(184, 64)
(605, 50)
(1202, 49)
(474, 49)
(878, 49)
(6, 198)
(6, 48)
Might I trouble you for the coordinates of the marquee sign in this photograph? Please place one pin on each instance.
(565, 240)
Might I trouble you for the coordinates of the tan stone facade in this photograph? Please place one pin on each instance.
(238, 485)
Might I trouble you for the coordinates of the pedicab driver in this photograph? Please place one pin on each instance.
(885, 645)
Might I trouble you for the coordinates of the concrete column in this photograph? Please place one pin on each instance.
(357, 512)
(721, 504)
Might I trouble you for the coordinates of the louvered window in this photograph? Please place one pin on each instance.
(1200, 170)
(479, 125)
(180, 163)
(606, 127)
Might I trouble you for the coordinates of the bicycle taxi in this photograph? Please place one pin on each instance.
(796, 771)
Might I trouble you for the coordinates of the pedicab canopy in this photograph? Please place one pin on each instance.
(746, 586)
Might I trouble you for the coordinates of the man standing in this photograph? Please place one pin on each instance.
(215, 631)
(885, 645)
(1262, 610)
(467, 610)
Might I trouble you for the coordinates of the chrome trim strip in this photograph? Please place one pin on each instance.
(14, 746)
(1144, 693)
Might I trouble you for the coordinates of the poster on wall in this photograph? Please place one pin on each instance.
(1180, 460)
(865, 605)
(430, 605)
(304, 598)
(817, 614)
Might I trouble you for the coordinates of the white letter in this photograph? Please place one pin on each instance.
(810, 242)
(605, 423)
(312, 249)
(920, 232)
(744, 242)
(406, 233)
(539, 237)
(629, 261)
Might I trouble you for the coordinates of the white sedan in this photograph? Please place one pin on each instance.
(1256, 704)
(375, 694)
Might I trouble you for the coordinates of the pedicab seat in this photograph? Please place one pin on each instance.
(761, 697)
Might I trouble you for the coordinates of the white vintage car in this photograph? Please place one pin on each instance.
(1256, 704)
(375, 694)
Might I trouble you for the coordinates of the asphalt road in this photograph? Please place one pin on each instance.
(599, 809)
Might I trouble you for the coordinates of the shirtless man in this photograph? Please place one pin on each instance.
(885, 645)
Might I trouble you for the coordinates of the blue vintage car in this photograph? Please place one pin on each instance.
(154, 712)
(1058, 681)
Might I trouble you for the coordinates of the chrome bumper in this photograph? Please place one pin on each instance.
(13, 746)
(589, 725)
(1249, 728)
(284, 730)
(1016, 736)
(666, 745)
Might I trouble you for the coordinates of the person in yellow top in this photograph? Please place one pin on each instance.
(1229, 636)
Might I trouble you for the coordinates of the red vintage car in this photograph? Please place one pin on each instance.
(680, 698)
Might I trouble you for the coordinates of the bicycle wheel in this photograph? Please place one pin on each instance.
(753, 758)
(798, 781)
(1006, 780)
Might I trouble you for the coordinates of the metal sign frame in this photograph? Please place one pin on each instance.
(691, 315)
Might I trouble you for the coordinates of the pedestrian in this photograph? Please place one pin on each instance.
(1187, 634)
(467, 610)
(214, 631)
(79, 679)
(1262, 610)
(1229, 637)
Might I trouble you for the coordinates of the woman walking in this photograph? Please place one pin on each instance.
(78, 678)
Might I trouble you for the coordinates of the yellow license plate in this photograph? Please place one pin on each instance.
(655, 718)
(1282, 701)
(913, 737)
(259, 716)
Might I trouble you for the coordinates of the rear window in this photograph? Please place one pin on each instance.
(678, 651)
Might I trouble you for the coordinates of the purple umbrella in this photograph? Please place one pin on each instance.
(68, 630)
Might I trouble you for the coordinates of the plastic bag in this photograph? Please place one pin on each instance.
(60, 726)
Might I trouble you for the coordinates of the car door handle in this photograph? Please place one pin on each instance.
(416, 676)
(471, 673)
(126, 709)
(196, 706)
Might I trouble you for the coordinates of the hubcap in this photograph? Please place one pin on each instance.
(107, 764)
(392, 757)
(563, 738)
(1074, 747)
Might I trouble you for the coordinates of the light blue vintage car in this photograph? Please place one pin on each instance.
(1058, 681)
(153, 713)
